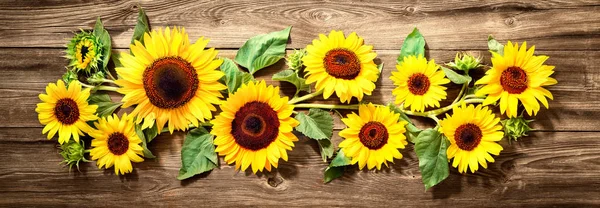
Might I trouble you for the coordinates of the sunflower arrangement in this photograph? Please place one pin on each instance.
(169, 83)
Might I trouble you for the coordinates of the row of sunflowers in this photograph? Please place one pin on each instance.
(171, 84)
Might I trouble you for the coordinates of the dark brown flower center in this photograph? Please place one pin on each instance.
(255, 125)
(514, 80)
(467, 136)
(342, 64)
(66, 111)
(373, 135)
(418, 84)
(170, 82)
(118, 143)
(84, 51)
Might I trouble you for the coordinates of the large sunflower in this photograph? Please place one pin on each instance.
(473, 133)
(373, 137)
(255, 127)
(170, 80)
(116, 143)
(517, 75)
(66, 111)
(340, 64)
(419, 83)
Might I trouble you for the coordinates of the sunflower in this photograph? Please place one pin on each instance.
(255, 127)
(419, 83)
(170, 80)
(373, 137)
(66, 111)
(473, 133)
(516, 76)
(116, 143)
(340, 64)
(84, 52)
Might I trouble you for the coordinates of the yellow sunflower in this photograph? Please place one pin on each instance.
(419, 83)
(473, 133)
(66, 111)
(373, 137)
(255, 127)
(116, 143)
(516, 76)
(340, 64)
(170, 80)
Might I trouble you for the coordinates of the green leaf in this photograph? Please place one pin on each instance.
(411, 130)
(292, 76)
(380, 68)
(115, 58)
(197, 154)
(495, 46)
(336, 167)
(414, 44)
(70, 76)
(234, 78)
(318, 124)
(263, 50)
(104, 38)
(142, 136)
(141, 27)
(151, 133)
(105, 105)
(326, 148)
(431, 149)
(456, 77)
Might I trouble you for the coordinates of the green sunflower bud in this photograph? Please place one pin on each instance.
(515, 128)
(294, 60)
(70, 76)
(73, 152)
(465, 62)
(97, 78)
(84, 52)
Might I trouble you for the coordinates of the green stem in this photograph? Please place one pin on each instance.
(108, 81)
(191, 126)
(437, 112)
(326, 106)
(85, 85)
(460, 94)
(110, 75)
(305, 97)
(106, 88)
(473, 96)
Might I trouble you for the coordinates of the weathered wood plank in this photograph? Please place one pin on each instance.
(545, 169)
(574, 25)
(26, 72)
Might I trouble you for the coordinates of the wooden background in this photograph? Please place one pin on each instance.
(558, 165)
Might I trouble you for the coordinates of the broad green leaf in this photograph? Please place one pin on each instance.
(456, 78)
(318, 124)
(336, 167)
(292, 76)
(326, 148)
(142, 136)
(495, 46)
(411, 130)
(197, 154)
(263, 50)
(105, 105)
(414, 44)
(141, 27)
(104, 38)
(234, 78)
(431, 149)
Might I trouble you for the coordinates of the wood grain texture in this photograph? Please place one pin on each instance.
(384, 24)
(556, 166)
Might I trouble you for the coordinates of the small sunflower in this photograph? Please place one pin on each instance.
(473, 133)
(341, 64)
(373, 137)
(170, 80)
(84, 52)
(116, 143)
(66, 111)
(419, 83)
(516, 76)
(255, 127)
